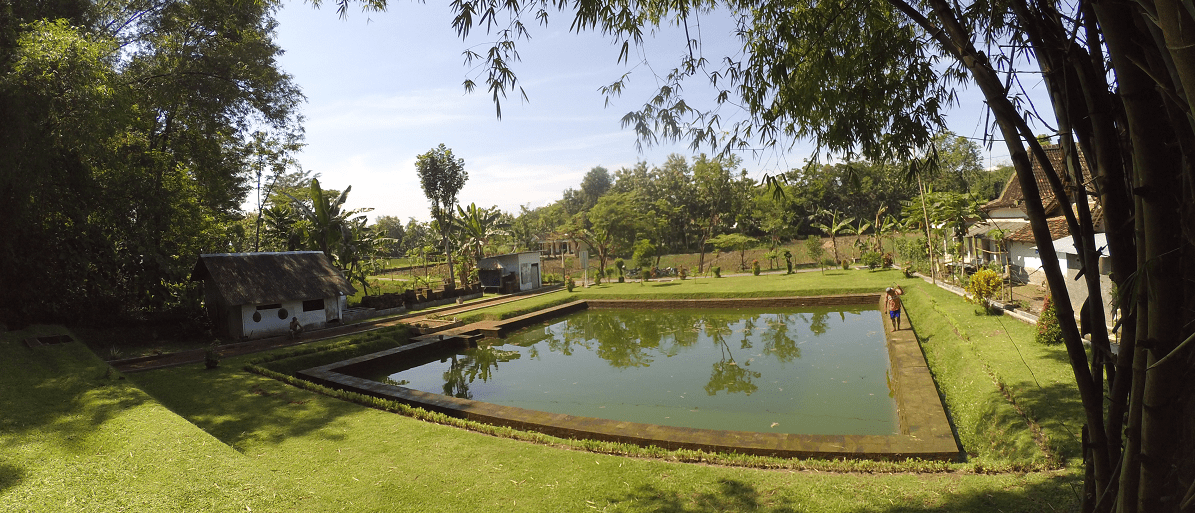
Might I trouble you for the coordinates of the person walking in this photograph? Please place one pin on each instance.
(894, 305)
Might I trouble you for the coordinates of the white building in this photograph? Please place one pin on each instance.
(517, 271)
(1020, 249)
(255, 295)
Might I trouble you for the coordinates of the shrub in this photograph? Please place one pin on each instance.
(983, 286)
(887, 260)
(813, 247)
(788, 260)
(682, 272)
(597, 278)
(829, 262)
(1048, 330)
(755, 267)
(211, 357)
(717, 271)
(569, 283)
(872, 259)
(846, 264)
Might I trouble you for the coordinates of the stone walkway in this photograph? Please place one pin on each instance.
(195, 356)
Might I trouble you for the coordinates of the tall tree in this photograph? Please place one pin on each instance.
(441, 175)
(391, 228)
(126, 130)
(715, 201)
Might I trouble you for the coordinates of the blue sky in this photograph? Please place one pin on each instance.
(384, 87)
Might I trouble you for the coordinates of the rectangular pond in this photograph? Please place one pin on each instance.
(802, 370)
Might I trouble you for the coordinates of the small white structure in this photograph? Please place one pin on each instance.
(519, 271)
(255, 295)
(1076, 287)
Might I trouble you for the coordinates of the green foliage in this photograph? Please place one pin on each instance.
(788, 260)
(813, 247)
(478, 228)
(872, 259)
(735, 242)
(569, 283)
(717, 271)
(442, 175)
(124, 158)
(645, 252)
(914, 254)
(1048, 330)
(211, 356)
(983, 286)
(755, 267)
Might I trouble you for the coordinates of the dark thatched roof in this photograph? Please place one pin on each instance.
(259, 278)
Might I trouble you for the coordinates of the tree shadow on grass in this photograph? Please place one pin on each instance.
(63, 391)
(237, 406)
(10, 476)
(1056, 407)
(1052, 494)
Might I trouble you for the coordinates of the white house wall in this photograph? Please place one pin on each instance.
(270, 323)
(1024, 257)
(529, 271)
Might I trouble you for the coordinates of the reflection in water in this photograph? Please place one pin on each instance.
(796, 369)
(626, 339)
(476, 363)
(728, 376)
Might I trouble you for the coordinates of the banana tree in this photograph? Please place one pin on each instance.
(885, 226)
(325, 218)
(859, 229)
(833, 227)
(476, 228)
(358, 243)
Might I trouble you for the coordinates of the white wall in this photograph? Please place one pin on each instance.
(1023, 255)
(271, 325)
(530, 276)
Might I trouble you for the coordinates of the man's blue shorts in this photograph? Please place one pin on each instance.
(894, 314)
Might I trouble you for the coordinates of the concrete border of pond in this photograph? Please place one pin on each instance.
(925, 432)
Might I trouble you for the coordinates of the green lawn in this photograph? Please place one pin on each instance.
(224, 440)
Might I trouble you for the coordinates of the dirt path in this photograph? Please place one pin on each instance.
(195, 356)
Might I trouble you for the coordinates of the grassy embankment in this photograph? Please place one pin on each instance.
(268, 446)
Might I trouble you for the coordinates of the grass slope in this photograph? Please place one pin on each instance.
(75, 438)
(1014, 401)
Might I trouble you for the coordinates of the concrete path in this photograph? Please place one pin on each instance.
(195, 356)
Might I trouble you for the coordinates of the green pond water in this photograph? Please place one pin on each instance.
(808, 370)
